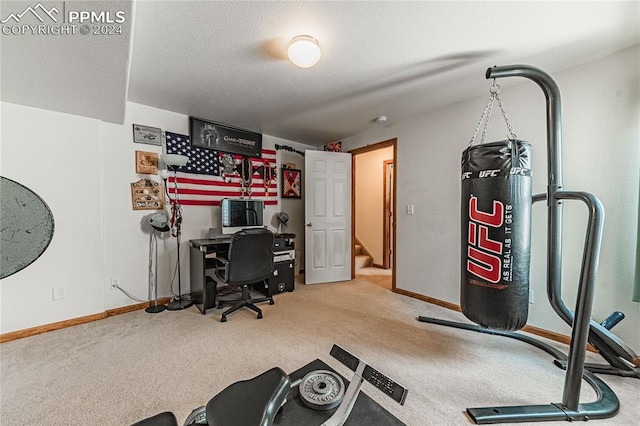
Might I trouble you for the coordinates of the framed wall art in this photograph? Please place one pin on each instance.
(222, 137)
(147, 134)
(291, 183)
(333, 147)
(147, 163)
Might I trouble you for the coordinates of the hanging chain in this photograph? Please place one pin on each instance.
(511, 134)
(494, 91)
(487, 118)
(484, 113)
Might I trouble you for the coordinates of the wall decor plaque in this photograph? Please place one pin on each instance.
(147, 163)
(147, 134)
(147, 194)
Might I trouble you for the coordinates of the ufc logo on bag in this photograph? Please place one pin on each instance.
(483, 253)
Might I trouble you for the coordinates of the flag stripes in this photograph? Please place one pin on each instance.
(212, 175)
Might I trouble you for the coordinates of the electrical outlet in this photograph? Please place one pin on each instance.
(409, 209)
(531, 298)
(115, 283)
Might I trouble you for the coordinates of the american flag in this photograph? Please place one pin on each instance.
(212, 175)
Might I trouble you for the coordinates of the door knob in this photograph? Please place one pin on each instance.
(308, 224)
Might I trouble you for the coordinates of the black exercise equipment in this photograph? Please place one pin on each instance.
(250, 402)
(274, 398)
(163, 419)
(621, 358)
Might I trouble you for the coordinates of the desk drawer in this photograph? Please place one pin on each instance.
(280, 244)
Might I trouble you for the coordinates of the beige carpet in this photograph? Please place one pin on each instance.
(121, 369)
(377, 276)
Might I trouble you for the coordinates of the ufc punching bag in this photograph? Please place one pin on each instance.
(496, 234)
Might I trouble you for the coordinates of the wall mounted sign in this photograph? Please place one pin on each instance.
(27, 227)
(148, 135)
(291, 183)
(147, 194)
(147, 163)
(221, 137)
(288, 148)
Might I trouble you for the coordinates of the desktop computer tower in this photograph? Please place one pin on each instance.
(283, 277)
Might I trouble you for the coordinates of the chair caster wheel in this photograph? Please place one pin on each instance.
(223, 319)
(259, 316)
(271, 302)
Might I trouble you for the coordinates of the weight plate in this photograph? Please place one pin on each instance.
(321, 390)
(197, 417)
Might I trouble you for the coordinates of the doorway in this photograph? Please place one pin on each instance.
(373, 213)
(389, 212)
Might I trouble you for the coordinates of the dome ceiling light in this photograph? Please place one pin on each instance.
(304, 51)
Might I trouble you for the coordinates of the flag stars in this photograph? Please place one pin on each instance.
(201, 161)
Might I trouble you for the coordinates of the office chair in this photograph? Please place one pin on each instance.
(249, 260)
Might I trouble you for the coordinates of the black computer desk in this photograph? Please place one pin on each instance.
(202, 252)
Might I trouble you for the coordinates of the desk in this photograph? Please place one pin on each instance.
(203, 287)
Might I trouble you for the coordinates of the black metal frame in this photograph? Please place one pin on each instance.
(583, 328)
(605, 406)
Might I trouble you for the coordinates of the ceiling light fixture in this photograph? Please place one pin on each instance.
(304, 51)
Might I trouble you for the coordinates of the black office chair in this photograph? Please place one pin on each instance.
(249, 260)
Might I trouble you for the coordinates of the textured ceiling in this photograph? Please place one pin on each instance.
(73, 73)
(224, 61)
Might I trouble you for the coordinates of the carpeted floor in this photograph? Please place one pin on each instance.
(124, 368)
(377, 276)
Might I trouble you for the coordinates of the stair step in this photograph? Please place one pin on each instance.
(362, 261)
(358, 249)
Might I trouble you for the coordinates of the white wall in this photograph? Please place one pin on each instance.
(369, 182)
(601, 138)
(83, 169)
(58, 157)
(293, 206)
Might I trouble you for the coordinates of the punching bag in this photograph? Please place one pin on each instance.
(496, 234)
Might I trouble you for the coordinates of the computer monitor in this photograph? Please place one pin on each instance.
(239, 214)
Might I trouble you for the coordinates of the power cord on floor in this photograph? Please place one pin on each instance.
(131, 296)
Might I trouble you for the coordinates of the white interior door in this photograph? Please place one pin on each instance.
(327, 209)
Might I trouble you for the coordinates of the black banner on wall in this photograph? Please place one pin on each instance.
(211, 135)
